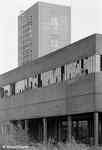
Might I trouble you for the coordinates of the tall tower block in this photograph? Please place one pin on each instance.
(42, 28)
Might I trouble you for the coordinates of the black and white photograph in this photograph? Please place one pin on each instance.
(50, 75)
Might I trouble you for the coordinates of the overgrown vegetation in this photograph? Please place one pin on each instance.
(19, 136)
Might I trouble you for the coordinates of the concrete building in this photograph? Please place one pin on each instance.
(42, 29)
(58, 95)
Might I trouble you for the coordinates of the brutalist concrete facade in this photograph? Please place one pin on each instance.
(75, 100)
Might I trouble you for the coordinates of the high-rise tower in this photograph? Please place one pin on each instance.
(42, 29)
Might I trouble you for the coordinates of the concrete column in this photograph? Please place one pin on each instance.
(7, 128)
(26, 125)
(10, 128)
(3, 129)
(55, 128)
(27, 83)
(96, 128)
(59, 131)
(44, 130)
(69, 129)
(2, 133)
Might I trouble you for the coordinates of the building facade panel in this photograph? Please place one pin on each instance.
(84, 86)
(3, 114)
(98, 102)
(34, 96)
(32, 102)
(54, 27)
(98, 82)
(81, 104)
(98, 91)
(80, 95)
(15, 113)
(61, 98)
(46, 109)
(38, 110)
(99, 43)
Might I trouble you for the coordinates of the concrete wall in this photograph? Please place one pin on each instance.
(55, 100)
(80, 98)
(99, 43)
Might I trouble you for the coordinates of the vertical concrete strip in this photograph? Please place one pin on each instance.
(96, 132)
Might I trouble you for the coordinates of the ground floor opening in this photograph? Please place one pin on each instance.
(83, 128)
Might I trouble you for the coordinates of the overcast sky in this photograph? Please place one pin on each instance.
(86, 16)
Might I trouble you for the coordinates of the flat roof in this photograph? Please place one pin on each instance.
(44, 4)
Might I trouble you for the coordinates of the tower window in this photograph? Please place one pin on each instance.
(100, 62)
(62, 72)
(82, 63)
(39, 80)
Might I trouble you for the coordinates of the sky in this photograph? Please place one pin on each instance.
(85, 20)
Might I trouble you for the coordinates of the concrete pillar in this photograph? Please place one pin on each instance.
(10, 128)
(3, 127)
(69, 129)
(55, 128)
(5, 130)
(2, 130)
(44, 130)
(26, 125)
(27, 83)
(59, 130)
(96, 128)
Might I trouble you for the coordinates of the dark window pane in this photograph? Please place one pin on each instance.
(100, 62)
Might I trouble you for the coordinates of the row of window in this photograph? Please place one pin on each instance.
(26, 38)
(65, 72)
(26, 19)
